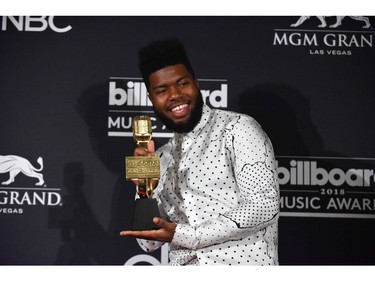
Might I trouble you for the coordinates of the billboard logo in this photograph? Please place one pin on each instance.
(135, 94)
(14, 165)
(327, 186)
(128, 97)
(309, 173)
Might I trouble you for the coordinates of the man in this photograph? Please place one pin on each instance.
(218, 194)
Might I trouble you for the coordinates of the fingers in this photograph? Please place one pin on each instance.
(159, 222)
(143, 233)
(140, 151)
(136, 234)
(136, 182)
(156, 220)
(151, 148)
(163, 224)
(164, 234)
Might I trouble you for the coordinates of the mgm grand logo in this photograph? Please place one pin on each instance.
(12, 198)
(338, 22)
(14, 165)
(324, 35)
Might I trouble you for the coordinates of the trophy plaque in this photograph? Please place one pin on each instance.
(143, 169)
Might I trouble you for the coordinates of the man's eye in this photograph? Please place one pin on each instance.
(161, 90)
(183, 84)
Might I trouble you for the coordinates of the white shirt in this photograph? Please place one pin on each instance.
(219, 185)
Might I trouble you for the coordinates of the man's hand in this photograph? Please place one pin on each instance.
(164, 234)
(140, 151)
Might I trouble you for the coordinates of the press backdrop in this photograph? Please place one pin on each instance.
(69, 87)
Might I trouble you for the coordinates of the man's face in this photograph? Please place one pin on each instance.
(176, 98)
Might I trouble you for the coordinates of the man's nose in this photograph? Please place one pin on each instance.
(174, 93)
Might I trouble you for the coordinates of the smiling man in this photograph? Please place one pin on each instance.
(176, 98)
(218, 194)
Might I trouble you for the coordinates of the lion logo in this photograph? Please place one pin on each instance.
(16, 164)
(323, 22)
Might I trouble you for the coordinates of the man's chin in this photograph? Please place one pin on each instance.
(178, 126)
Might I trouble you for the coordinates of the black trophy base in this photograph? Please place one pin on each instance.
(145, 209)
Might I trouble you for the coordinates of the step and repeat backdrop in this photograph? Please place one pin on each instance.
(70, 86)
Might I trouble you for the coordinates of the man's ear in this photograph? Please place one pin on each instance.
(149, 96)
(197, 82)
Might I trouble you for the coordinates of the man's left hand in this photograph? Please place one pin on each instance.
(164, 234)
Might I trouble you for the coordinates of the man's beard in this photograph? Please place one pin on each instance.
(195, 117)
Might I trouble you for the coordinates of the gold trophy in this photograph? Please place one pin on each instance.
(143, 169)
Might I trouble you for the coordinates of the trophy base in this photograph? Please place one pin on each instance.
(145, 210)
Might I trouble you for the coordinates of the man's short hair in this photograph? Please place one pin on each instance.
(159, 54)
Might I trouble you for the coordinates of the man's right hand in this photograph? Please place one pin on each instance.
(140, 151)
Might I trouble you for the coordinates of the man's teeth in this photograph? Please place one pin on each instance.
(177, 108)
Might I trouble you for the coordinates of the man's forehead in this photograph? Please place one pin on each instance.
(169, 73)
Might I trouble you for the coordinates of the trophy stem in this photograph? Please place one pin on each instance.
(145, 188)
(143, 144)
